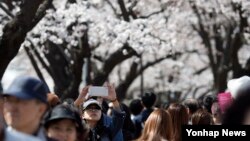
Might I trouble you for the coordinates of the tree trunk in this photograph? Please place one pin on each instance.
(15, 31)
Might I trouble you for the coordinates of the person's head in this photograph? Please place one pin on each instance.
(102, 101)
(178, 112)
(202, 117)
(25, 102)
(148, 99)
(64, 123)
(135, 106)
(192, 105)
(179, 115)
(92, 111)
(208, 101)
(158, 125)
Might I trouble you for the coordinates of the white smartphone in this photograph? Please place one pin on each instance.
(98, 91)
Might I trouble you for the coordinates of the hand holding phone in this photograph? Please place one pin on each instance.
(98, 91)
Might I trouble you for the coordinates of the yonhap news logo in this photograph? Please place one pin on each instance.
(215, 132)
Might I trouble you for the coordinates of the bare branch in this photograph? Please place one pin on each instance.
(125, 13)
(201, 70)
(112, 61)
(151, 14)
(176, 54)
(130, 9)
(34, 64)
(38, 55)
(113, 8)
(99, 58)
(196, 90)
(6, 11)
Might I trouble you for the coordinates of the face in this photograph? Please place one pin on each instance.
(20, 113)
(63, 130)
(92, 113)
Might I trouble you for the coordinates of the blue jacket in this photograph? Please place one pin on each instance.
(108, 128)
(139, 121)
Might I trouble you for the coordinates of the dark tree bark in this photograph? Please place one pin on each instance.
(34, 63)
(67, 76)
(135, 71)
(125, 13)
(111, 62)
(9, 4)
(15, 31)
(59, 67)
(223, 55)
(79, 55)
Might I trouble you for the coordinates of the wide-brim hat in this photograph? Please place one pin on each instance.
(63, 112)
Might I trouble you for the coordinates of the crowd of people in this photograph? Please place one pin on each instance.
(30, 112)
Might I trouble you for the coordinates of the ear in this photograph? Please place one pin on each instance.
(42, 109)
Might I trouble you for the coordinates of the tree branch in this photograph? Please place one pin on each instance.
(34, 64)
(113, 8)
(6, 11)
(111, 62)
(135, 71)
(125, 13)
(151, 14)
(15, 31)
(38, 55)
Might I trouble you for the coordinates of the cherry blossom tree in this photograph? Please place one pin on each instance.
(107, 38)
(224, 29)
(179, 48)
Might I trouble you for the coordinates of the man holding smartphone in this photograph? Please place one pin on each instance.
(102, 126)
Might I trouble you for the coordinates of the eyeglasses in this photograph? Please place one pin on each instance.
(93, 108)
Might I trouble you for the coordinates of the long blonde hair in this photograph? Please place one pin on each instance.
(157, 127)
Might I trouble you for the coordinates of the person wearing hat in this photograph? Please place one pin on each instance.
(102, 127)
(8, 134)
(25, 102)
(64, 123)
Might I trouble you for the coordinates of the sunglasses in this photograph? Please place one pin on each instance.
(93, 108)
